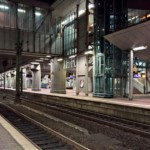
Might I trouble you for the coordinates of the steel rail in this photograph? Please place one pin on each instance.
(75, 145)
(119, 123)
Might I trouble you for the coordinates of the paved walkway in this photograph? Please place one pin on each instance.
(11, 139)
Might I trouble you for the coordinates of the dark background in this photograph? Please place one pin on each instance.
(47, 1)
(135, 4)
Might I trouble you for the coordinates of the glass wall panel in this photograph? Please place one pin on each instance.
(69, 35)
(25, 17)
(109, 16)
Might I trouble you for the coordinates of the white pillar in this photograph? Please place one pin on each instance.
(82, 74)
(8, 80)
(24, 80)
(58, 77)
(36, 77)
(131, 75)
(14, 80)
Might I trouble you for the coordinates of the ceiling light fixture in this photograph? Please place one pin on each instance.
(92, 25)
(139, 48)
(73, 56)
(38, 14)
(91, 6)
(21, 10)
(60, 59)
(34, 63)
(3, 6)
(39, 60)
(88, 52)
(81, 11)
(48, 56)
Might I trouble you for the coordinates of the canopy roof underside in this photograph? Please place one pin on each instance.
(131, 37)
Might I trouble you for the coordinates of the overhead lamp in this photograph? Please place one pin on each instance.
(37, 13)
(21, 10)
(88, 52)
(92, 25)
(3, 6)
(139, 48)
(46, 59)
(63, 22)
(91, 6)
(34, 63)
(73, 56)
(39, 60)
(60, 59)
(81, 11)
(48, 56)
(148, 15)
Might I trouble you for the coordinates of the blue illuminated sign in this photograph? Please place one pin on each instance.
(137, 76)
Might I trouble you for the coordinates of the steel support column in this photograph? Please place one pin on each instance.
(77, 12)
(146, 79)
(18, 63)
(131, 75)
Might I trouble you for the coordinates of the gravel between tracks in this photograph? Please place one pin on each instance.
(129, 141)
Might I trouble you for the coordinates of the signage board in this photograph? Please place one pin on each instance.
(137, 76)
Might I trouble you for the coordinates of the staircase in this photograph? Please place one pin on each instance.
(138, 86)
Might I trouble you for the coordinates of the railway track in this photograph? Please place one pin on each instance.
(123, 124)
(42, 137)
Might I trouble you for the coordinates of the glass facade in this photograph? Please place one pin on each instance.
(34, 24)
(109, 16)
(69, 35)
(136, 16)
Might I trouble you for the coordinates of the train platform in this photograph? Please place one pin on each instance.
(136, 110)
(139, 100)
(11, 139)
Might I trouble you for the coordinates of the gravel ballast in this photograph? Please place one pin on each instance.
(127, 141)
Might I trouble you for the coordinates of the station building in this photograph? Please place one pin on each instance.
(89, 46)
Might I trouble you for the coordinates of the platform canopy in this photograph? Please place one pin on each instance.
(131, 37)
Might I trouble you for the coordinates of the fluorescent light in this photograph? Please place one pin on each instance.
(48, 56)
(81, 11)
(92, 25)
(60, 59)
(139, 48)
(88, 52)
(63, 22)
(3, 6)
(49, 63)
(39, 60)
(46, 59)
(21, 10)
(34, 63)
(90, 6)
(38, 14)
(73, 56)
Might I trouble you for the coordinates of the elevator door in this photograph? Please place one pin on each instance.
(117, 87)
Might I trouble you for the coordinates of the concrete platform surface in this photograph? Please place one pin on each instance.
(140, 100)
(11, 139)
